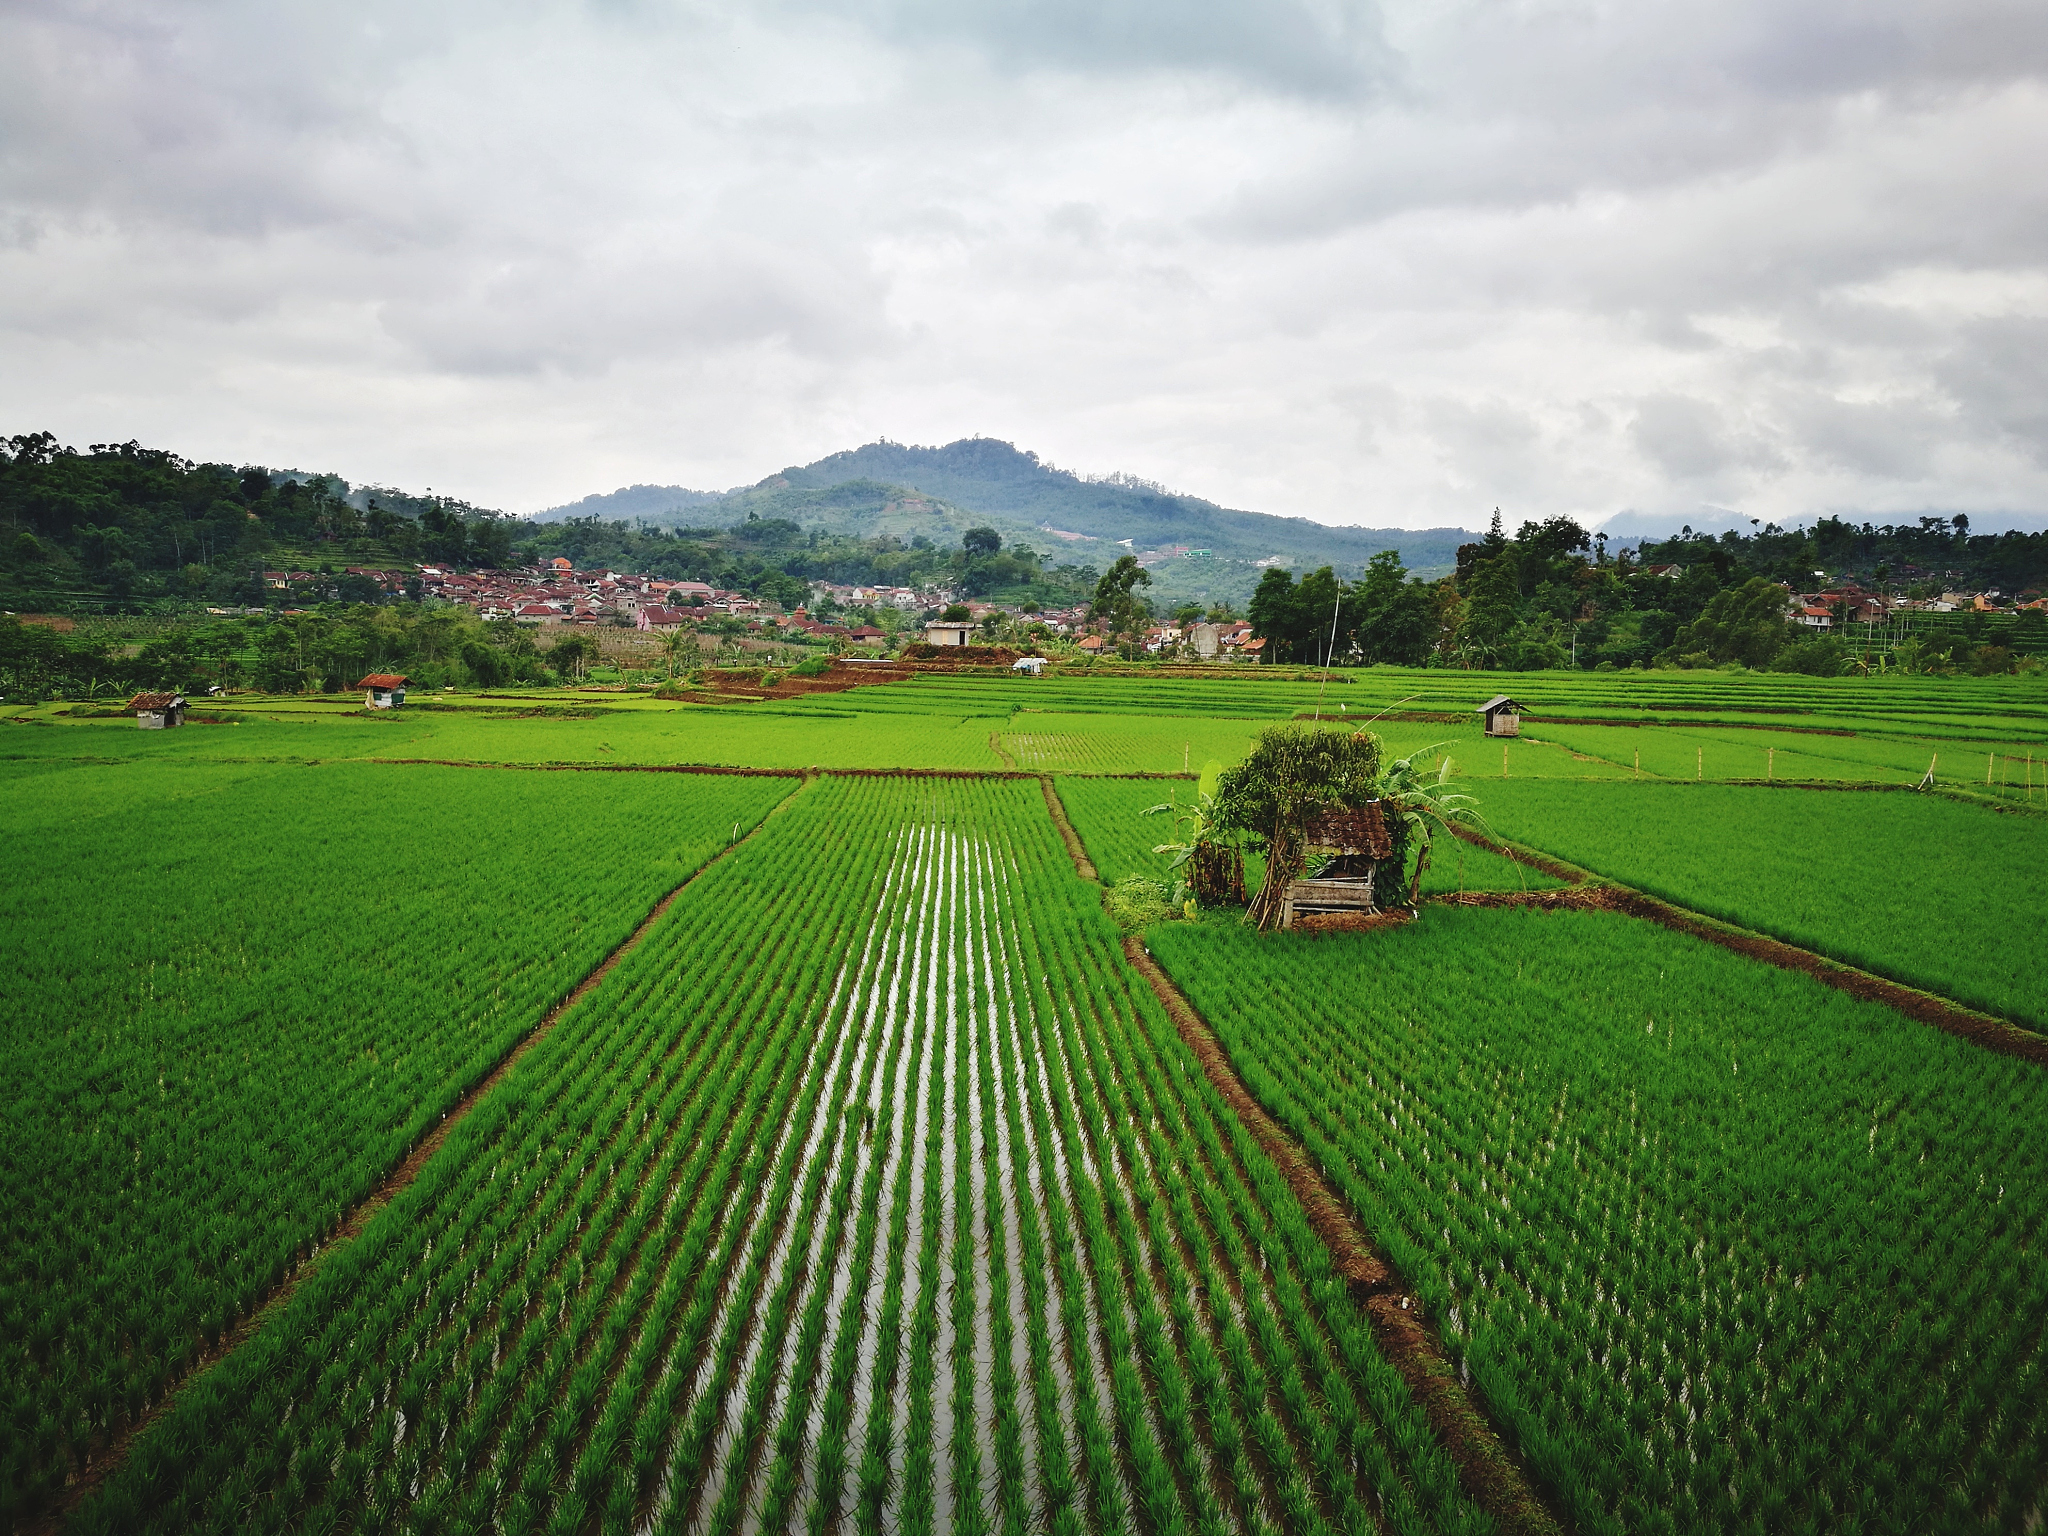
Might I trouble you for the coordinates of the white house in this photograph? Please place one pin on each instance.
(158, 711)
(383, 690)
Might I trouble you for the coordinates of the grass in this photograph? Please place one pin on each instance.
(766, 1167)
(1727, 1249)
(1917, 888)
(268, 982)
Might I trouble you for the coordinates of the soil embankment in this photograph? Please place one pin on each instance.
(1488, 1470)
(1590, 891)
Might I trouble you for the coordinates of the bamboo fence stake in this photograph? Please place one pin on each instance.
(1699, 766)
(1770, 764)
(1639, 762)
(1503, 759)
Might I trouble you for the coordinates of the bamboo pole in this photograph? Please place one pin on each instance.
(1639, 762)
(1770, 764)
(1989, 759)
(1699, 767)
(1503, 759)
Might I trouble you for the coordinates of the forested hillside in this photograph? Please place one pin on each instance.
(123, 526)
(895, 490)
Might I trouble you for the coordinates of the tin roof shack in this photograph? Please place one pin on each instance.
(1351, 852)
(1503, 716)
(158, 711)
(383, 690)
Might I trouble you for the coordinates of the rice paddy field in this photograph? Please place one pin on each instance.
(1733, 1251)
(1930, 892)
(411, 1126)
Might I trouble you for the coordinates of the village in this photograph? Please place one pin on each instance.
(557, 594)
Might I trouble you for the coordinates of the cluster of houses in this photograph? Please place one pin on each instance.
(1851, 603)
(552, 593)
(908, 599)
(1231, 642)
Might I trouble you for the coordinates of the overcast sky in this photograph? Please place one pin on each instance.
(1370, 264)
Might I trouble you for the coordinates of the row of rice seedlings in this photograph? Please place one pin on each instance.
(1797, 868)
(1676, 1244)
(832, 1280)
(237, 1013)
(560, 1057)
(666, 1285)
(1109, 1073)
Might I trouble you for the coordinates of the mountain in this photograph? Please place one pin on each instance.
(631, 503)
(907, 491)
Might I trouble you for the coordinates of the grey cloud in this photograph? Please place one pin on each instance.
(1333, 48)
(1892, 440)
(582, 316)
(1781, 253)
(1691, 439)
(1999, 374)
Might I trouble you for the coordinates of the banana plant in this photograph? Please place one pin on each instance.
(1422, 800)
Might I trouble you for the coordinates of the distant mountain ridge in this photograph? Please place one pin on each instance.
(897, 488)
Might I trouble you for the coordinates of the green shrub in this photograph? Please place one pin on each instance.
(1135, 902)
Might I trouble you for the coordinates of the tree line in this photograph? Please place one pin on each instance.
(324, 651)
(1551, 596)
(121, 527)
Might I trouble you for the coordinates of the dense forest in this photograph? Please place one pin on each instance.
(1921, 559)
(321, 651)
(121, 527)
(1551, 596)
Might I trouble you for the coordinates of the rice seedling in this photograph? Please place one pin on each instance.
(304, 970)
(1683, 1219)
(1916, 888)
(870, 1191)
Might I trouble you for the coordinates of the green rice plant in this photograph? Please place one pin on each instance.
(871, 1189)
(204, 1076)
(1682, 1218)
(1914, 887)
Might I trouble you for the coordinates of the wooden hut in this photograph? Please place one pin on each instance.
(1360, 846)
(1502, 714)
(158, 711)
(383, 690)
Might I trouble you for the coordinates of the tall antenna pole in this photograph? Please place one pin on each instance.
(1329, 652)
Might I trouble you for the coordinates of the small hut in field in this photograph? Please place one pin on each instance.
(383, 690)
(158, 711)
(1502, 714)
(1345, 831)
(1354, 849)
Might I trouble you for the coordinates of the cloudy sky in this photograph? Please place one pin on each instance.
(1370, 264)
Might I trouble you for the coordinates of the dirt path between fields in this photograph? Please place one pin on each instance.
(104, 1461)
(1486, 1467)
(1591, 891)
(1076, 850)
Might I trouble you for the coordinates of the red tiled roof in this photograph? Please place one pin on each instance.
(383, 680)
(155, 701)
